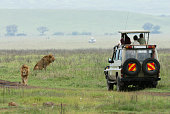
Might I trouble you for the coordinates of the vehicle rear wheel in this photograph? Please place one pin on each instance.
(154, 84)
(110, 86)
(120, 86)
(151, 84)
(142, 85)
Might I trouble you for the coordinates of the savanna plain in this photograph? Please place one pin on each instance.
(75, 83)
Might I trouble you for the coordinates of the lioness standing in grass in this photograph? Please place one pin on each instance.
(24, 74)
(44, 62)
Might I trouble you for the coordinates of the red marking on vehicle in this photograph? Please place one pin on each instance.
(132, 67)
(151, 66)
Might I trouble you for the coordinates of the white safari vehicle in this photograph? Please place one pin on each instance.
(135, 65)
(92, 40)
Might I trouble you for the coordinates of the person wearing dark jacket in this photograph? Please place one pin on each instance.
(125, 39)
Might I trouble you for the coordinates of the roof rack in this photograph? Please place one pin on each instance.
(145, 32)
(134, 31)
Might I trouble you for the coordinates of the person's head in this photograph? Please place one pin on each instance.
(135, 37)
(141, 35)
(123, 35)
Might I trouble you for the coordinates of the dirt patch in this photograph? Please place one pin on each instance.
(4, 108)
(155, 93)
(8, 109)
(8, 83)
(4, 83)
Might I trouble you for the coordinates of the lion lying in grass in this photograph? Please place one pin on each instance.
(24, 74)
(44, 62)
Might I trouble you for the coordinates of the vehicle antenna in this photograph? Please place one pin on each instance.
(126, 20)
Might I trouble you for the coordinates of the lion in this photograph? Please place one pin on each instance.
(24, 74)
(44, 62)
(12, 104)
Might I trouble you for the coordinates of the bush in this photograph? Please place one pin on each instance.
(75, 33)
(86, 33)
(58, 33)
(21, 34)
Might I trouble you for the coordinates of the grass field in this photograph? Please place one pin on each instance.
(76, 80)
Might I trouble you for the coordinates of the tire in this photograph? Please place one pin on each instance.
(106, 72)
(154, 84)
(148, 84)
(151, 84)
(141, 85)
(126, 65)
(110, 86)
(150, 72)
(120, 87)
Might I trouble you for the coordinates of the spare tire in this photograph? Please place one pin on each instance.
(131, 67)
(150, 66)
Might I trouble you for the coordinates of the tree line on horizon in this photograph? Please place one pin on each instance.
(11, 30)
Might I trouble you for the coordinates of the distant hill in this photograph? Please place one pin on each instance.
(68, 21)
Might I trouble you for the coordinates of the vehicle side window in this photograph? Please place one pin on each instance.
(120, 54)
(117, 54)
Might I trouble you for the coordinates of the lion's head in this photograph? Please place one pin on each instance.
(51, 58)
(24, 70)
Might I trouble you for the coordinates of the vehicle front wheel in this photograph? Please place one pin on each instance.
(120, 85)
(110, 86)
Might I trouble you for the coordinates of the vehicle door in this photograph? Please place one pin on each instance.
(115, 66)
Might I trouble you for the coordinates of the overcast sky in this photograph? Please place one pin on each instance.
(157, 7)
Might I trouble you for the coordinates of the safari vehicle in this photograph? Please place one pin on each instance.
(92, 40)
(135, 65)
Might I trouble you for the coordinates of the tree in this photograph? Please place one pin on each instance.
(86, 33)
(75, 33)
(11, 30)
(42, 30)
(156, 29)
(58, 33)
(147, 26)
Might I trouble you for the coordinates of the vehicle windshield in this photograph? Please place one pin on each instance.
(140, 55)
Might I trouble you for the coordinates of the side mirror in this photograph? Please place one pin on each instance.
(110, 60)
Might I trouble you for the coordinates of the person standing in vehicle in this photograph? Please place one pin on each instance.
(125, 39)
(135, 40)
(122, 41)
(141, 39)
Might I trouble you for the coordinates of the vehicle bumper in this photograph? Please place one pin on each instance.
(139, 79)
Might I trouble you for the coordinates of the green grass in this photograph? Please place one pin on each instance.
(82, 100)
(67, 21)
(71, 68)
(78, 83)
